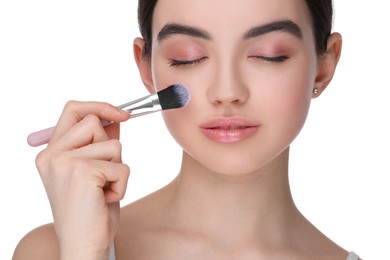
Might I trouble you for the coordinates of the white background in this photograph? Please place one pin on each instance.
(53, 51)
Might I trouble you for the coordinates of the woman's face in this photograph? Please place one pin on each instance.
(250, 67)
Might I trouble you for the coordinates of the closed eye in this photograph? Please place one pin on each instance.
(275, 59)
(185, 63)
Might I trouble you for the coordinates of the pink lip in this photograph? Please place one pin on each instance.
(229, 130)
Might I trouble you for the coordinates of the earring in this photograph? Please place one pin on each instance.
(315, 91)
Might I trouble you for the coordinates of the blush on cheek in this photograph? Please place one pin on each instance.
(288, 102)
(297, 107)
(178, 125)
(175, 118)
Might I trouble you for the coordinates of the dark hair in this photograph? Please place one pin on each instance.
(321, 12)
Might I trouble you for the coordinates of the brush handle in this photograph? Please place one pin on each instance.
(142, 106)
(40, 137)
(43, 136)
(174, 96)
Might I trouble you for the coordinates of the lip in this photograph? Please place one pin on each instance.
(229, 130)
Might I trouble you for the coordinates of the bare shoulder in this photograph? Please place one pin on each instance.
(41, 243)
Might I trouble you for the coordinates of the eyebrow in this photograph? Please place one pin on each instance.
(287, 26)
(173, 29)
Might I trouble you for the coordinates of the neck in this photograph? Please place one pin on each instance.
(234, 207)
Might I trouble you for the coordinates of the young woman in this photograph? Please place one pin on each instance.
(252, 68)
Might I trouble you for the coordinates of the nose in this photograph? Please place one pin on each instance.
(227, 86)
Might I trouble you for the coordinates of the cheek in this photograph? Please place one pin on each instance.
(293, 108)
(286, 98)
(293, 93)
(179, 122)
(180, 126)
(183, 124)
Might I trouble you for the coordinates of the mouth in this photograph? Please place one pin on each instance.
(229, 130)
(228, 127)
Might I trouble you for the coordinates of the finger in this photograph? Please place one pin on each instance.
(113, 130)
(89, 130)
(63, 165)
(87, 178)
(113, 179)
(115, 190)
(75, 111)
(110, 150)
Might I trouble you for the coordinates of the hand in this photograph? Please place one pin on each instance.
(85, 179)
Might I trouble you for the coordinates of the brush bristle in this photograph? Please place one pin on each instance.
(174, 96)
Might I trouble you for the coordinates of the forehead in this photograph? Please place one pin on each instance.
(230, 16)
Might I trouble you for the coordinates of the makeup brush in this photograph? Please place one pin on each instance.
(174, 96)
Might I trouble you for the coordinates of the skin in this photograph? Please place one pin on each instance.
(230, 200)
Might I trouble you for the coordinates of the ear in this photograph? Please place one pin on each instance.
(143, 63)
(328, 63)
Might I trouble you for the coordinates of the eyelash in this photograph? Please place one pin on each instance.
(185, 63)
(276, 59)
